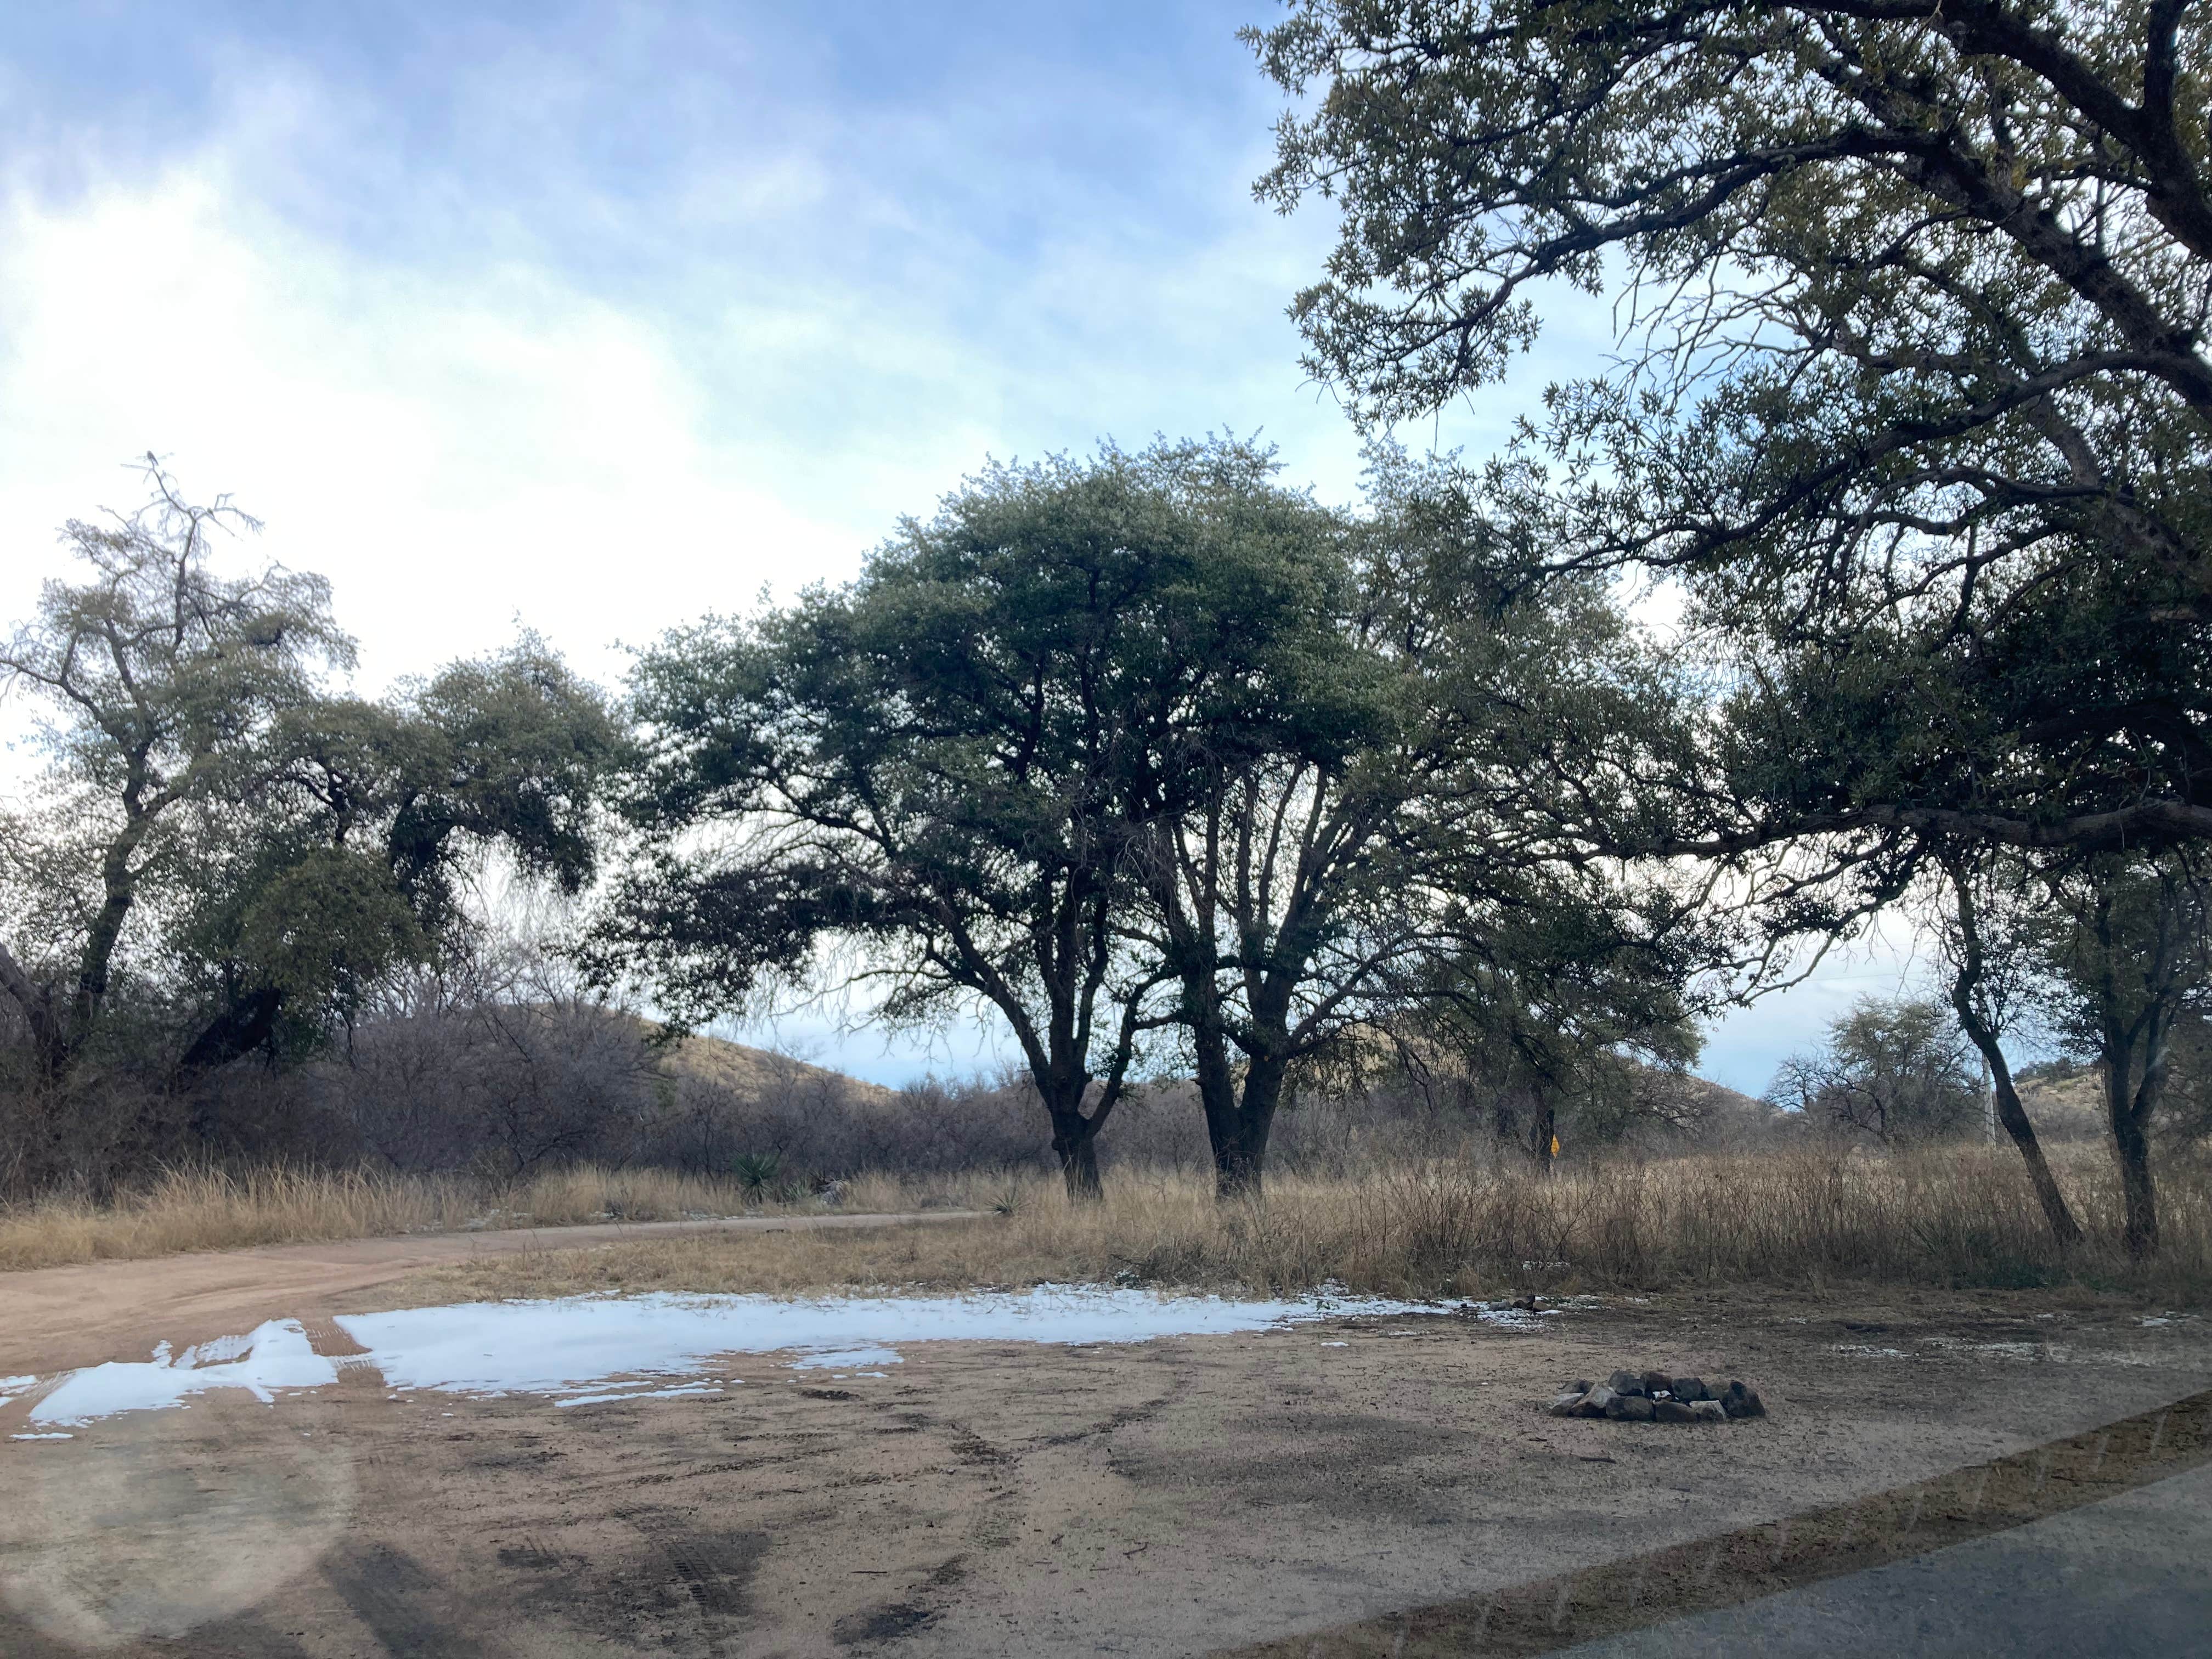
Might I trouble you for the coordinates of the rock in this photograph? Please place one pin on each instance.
(1624, 1383)
(1672, 1411)
(1581, 1385)
(1737, 1401)
(1656, 1383)
(1706, 1411)
(1568, 1404)
(1596, 1401)
(1691, 1387)
(1629, 1408)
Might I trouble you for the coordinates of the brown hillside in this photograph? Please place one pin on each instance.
(737, 1066)
(2064, 1107)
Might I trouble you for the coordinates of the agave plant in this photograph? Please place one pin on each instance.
(754, 1171)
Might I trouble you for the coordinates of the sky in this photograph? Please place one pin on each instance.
(592, 319)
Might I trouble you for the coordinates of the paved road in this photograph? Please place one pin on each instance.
(54, 1319)
(2130, 1576)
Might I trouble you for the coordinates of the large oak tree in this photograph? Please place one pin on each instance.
(1913, 398)
(920, 779)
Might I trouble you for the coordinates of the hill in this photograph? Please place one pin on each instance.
(722, 1064)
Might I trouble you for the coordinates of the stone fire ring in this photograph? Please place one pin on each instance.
(1655, 1397)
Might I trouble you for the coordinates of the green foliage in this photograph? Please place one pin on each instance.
(935, 765)
(1311, 895)
(1152, 745)
(163, 681)
(1913, 400)
(2122, 945)
(756, 1172)
(258, 851)
(2111, 954)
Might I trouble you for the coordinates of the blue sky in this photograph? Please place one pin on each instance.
(596, 317)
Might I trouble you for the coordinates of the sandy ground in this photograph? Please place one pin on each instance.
(1177, 1497)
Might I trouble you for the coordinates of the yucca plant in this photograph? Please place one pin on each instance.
(754, 1171)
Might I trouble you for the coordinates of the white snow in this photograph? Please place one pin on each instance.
(592, 1349)
(848, 1357)
(553, 1347)
(639, 1393)
(274, 1356)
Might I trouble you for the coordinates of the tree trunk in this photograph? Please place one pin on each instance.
(2010, 1113)
(1075, 1140)
(2131, 1147)
(1543, 1131)
(1237, 1124)
(1078, 1162)
(120, 882)
(2014, 1116)
(1240, 1135)
(49, 1040)
(238, 1030)
(2141, 1227)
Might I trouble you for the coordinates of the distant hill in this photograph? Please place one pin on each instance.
(737, 1066)
(1728, 1117)
(2065, 1103)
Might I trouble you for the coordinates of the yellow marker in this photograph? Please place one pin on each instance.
(1555, 1145)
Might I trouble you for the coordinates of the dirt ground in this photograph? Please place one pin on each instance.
(1176, 1496)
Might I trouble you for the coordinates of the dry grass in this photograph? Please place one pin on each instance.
(1963, 1218)
(1960, 1216)
(216, 1210)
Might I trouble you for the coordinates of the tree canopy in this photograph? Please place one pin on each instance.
(930, 766)
(250, 845)
(1148, 744)
(1914, 396)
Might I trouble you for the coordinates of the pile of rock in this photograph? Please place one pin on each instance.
(1655, 1397)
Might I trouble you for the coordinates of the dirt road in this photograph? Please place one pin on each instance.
(1175, 1497)
(54, 1318)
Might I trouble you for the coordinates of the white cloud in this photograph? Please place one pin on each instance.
(1893, 958)
(450, 453)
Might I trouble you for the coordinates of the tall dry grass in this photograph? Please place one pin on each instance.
(189, 1209)
(1955, 1218)
(1960, 1216)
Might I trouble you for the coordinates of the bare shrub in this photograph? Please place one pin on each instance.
(1894, 1071)
(505, 1086)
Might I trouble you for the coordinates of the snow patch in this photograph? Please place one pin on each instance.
(273, 1356)
(2000, 1350)
(639, 1393)
(592, 1349)
(817, 1362)
(556, 1348)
